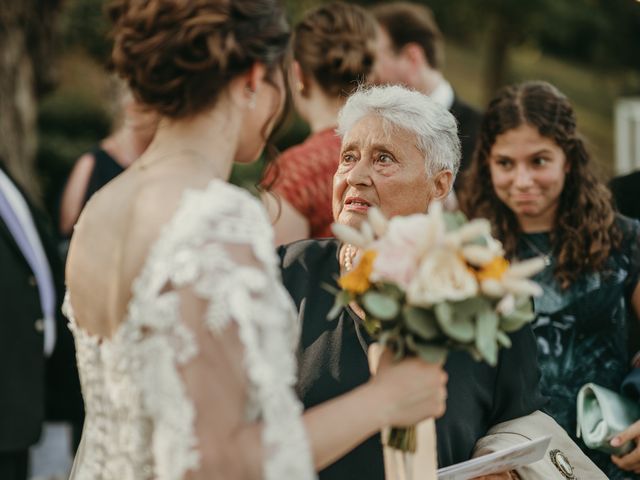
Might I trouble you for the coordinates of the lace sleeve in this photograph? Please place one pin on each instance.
(217, 269)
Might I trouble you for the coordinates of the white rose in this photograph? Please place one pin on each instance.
(442, 276)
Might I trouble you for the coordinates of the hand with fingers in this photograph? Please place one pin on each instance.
(630, 461)
(412, 389)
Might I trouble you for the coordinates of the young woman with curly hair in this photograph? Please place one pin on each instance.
(531, 177)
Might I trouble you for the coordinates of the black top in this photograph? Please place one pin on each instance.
(469, 120)
(626, 192)
(105, 169)
(333, 360)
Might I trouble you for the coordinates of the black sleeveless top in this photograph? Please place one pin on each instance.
(332, 360)
(105, 169)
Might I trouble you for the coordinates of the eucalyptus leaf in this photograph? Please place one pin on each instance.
(384, 338)
(486, 332)
(471, 306)
(412, 346)
(422, 322)
(516, 319)
(458, 327)
(481, 241)
(391, 290)
(372, 326)
(454, 220)
(473, 351)
(330, 288)
(400, 348)
(503, 339)
(444, 312)
(432, 353)
(342, 300)
(380, 306)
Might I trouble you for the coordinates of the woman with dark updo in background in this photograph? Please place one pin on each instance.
(333, 50)
(184, 335)
(531, 177)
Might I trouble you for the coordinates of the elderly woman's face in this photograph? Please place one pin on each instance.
(382, 168)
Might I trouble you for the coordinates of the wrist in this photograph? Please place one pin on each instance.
(376, 402)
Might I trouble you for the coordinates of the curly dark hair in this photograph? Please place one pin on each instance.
(585, 230)
(335, 45)
(178, 55)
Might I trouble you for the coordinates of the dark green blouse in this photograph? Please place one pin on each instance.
(332, 361)
(583, 332)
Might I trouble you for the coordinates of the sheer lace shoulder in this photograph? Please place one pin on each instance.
(141, 420)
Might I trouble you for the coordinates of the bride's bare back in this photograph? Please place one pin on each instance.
(115, 233)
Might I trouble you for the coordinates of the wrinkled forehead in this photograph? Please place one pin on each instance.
(375, 130)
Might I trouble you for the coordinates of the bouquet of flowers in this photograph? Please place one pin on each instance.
(431, 283)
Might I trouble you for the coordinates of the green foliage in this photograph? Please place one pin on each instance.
(69, 124)
(84, 24)
(431, 353)
(472, 325)
(73, 114)
(522, 314)
(485, 337)
(457, 327)
(603, 33)
(454, 220)
(380, 305)
(422, 322)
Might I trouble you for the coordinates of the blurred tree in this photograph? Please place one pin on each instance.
(27, 30)
(601, 33)
(84, 25)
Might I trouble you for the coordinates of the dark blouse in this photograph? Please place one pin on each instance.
(583, 331)
(332, 360)
(105, 169)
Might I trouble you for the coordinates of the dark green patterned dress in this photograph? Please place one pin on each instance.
(583, 331)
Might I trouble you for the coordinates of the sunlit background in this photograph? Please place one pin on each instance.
(590, 49)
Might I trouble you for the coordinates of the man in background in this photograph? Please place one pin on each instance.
(38, 376)
(410, 52)
(626, 193)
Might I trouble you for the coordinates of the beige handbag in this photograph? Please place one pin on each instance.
(563, 461)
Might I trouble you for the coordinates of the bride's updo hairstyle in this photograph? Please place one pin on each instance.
(178, 55)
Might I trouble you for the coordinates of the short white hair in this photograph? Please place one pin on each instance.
(434, 126)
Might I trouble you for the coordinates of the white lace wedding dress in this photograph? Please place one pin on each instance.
(140, 418)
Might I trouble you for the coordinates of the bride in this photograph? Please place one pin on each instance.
(184, 334)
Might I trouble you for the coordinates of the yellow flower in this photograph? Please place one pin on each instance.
(357, 280)
(494, 270)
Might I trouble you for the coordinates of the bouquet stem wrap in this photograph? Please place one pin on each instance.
(422, 462)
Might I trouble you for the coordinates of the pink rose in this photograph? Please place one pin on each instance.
(402, 247)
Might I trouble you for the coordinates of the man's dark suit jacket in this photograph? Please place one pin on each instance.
(468, 129)
(32, 388)
(626, 192)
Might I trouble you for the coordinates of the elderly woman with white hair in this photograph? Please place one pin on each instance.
(400, 151)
